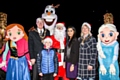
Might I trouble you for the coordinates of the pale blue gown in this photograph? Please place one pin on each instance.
(111, 53)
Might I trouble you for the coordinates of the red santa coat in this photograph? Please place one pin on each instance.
(57, 45)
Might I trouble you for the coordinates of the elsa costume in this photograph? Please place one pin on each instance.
(111, 53)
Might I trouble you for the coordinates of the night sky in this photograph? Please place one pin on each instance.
(72, 12)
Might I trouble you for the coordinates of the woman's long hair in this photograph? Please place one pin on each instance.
(19, 26)
(73, 37)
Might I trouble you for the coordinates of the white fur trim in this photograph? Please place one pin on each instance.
(60, 63)
(62, 58)
(60, 24)
(88, 25)
(62, 44)
(48, 39)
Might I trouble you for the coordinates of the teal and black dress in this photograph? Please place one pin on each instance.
(17, 68)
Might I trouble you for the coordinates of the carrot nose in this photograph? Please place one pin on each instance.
(48, 13)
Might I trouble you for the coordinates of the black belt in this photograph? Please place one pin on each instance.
(19, 56)
(60, 50)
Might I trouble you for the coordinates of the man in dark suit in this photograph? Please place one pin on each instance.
(36, 35)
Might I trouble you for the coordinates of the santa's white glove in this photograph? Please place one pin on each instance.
(3, 64)
(112, 69)
(103, 70)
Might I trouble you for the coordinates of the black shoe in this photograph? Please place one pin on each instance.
(60, 78)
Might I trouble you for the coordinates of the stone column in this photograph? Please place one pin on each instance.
(3, 24)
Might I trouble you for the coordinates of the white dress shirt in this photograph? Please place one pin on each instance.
(39, 30)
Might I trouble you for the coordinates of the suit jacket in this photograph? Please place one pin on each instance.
(35, 42)
(73, 52)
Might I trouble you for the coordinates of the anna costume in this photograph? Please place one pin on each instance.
(17, 67)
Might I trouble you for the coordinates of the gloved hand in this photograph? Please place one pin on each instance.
(54, 74)
(103, 70)
(2, 64)
(112, 69)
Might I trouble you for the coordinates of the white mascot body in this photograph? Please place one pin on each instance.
(50, 18)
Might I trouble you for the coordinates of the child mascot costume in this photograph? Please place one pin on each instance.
(15, 55)
(108, 48)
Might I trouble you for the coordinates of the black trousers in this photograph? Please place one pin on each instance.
(2, 75)
(48, 76)
(35, 74)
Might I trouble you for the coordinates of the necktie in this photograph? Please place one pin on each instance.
(40, 32)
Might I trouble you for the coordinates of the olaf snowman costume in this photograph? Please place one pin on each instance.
(50, 18)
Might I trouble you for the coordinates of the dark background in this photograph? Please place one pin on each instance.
(72, 12)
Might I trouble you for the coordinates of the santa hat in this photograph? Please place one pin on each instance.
(87, 24)
(60, 24)
(47, 39)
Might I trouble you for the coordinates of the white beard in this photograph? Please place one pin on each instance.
(59, 34)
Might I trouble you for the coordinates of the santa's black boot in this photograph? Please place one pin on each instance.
(60, 78)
